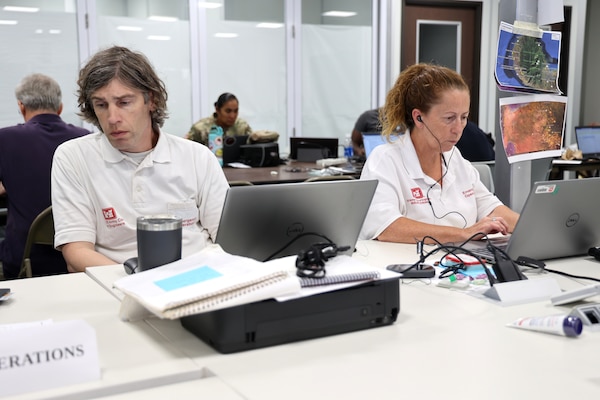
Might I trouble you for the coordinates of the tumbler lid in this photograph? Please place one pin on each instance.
(159, 222)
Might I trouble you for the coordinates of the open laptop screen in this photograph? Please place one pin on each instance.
(272, 221)
(588, 140)
(372, 140)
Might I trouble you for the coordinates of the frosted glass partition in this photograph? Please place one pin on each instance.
(167, 46)
(241, 46)
(38, 42)
(250, 62)
(336, 78)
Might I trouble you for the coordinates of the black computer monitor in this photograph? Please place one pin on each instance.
(310, 149)
(232, 148)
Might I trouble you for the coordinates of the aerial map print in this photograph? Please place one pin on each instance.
(527, 61)
(532, 126)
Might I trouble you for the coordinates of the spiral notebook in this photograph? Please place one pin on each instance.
(205, 281)
(342, 278)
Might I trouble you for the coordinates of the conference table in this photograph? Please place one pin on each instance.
(134, 358)
(290, 172)
(445, 343)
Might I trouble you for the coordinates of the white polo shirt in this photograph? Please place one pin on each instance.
(98, 192)
(405, 191)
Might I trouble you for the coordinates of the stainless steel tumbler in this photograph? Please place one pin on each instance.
(158, 240)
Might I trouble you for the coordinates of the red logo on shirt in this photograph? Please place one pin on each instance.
(109, 213)
(469, 193)
(417, 193)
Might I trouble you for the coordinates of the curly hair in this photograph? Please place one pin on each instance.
(418, 86)
(133, 69)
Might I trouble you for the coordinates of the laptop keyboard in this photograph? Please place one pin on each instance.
(486, 254)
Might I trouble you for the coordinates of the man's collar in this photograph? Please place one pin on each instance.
(161, 152)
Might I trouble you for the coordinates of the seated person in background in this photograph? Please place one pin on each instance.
(366, 122)
(102, 182)
(225, 116)
(26, 152)
(475, 144)
(426, 188)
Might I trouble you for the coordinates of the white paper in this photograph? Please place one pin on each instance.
(238, 165)
(540, 12)
(550, 12)
(208, 280)
(44, 355)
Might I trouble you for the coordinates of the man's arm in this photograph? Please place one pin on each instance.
(80, 255)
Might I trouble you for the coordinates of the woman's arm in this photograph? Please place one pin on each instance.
(509, 216)
(406, 230)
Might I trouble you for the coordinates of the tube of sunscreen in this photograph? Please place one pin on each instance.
(566, 325)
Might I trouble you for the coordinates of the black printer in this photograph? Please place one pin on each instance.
(269, 322)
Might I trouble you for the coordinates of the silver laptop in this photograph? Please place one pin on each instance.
(588, 141)
(272, 221)
(559, 219)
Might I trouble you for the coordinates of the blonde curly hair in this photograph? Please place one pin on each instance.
(418, 86)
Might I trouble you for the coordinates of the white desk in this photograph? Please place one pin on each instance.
(106, 275)
(133, 356)
(445, 344)
(207, 388)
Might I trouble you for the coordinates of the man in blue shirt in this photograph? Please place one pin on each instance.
(26, 152)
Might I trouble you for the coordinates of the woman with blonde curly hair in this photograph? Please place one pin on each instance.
(426, 187)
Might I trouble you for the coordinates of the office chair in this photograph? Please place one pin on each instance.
(41, 231)
(485, 175)
(330, 178)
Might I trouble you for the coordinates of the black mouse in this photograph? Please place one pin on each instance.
(131, 265)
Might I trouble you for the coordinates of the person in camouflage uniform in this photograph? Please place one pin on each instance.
(225, 116)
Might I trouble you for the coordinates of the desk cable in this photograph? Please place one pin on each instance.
(455, 251)
(296, 238)
(541, 266)
(499, 255)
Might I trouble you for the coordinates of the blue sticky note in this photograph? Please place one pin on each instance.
(475, 270)
(188, 278)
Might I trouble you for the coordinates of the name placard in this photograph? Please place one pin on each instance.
(45, 355)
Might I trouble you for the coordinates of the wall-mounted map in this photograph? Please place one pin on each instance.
(532, 126)
(527, 61)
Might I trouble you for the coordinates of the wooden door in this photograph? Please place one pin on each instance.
(467, 15)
